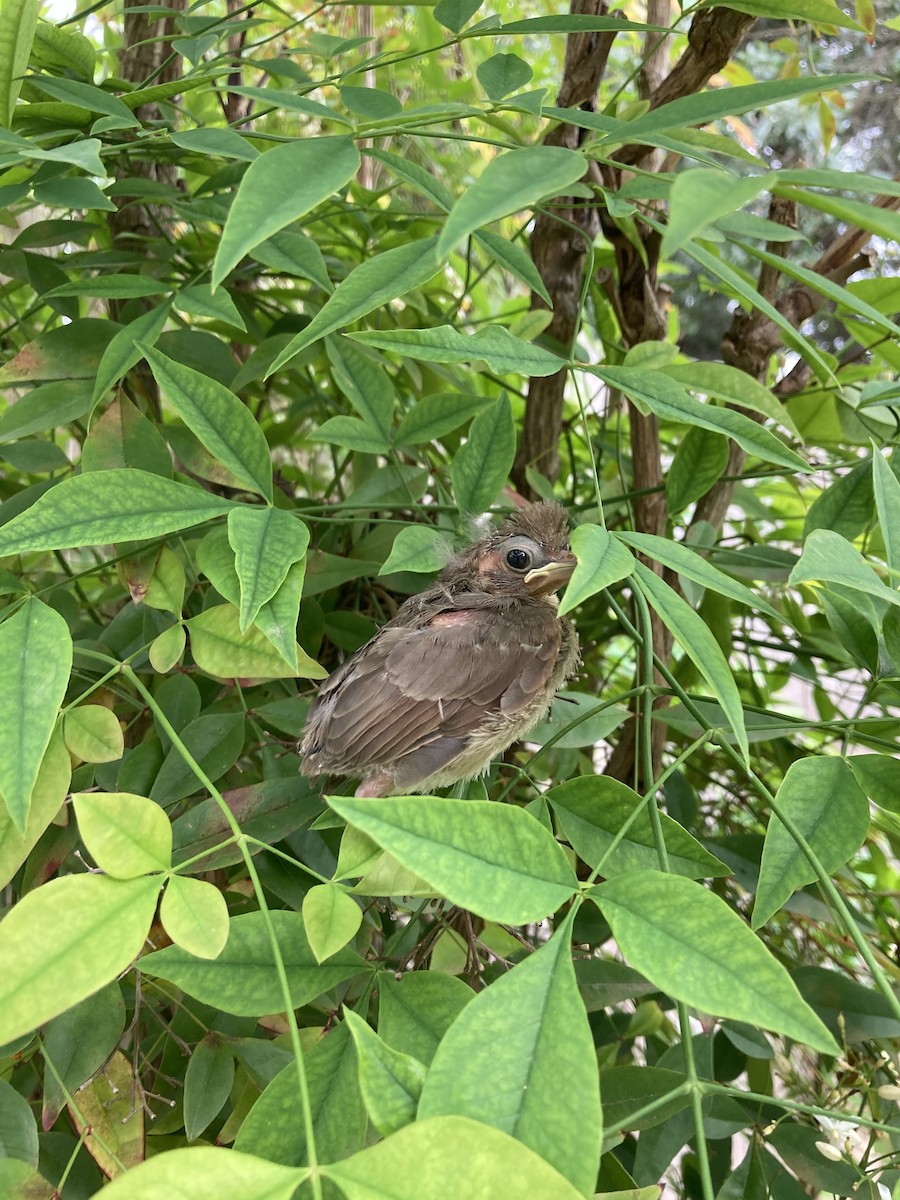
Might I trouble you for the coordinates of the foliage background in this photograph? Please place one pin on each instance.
(289, 297)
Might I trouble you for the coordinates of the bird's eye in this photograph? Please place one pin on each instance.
(518, 559)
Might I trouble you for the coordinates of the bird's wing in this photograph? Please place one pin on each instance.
(445, 678)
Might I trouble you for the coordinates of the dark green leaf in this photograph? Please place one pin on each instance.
(481, 466)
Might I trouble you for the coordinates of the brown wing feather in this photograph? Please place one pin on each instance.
(412, 685)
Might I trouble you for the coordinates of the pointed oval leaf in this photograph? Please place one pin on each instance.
(207, 1082)
(513, 181)
(242, 979)
(279, 187)
(374, 282)
(331, 919)
(415, 1011)
(167, 649)
(419, 548)
(691, 945)
(93, 733)
(822, 798)
(222, 423)
(122, 353)
(266, 543)
(126, 835)
(502, 1060)
(482, 464)
(47, 797)
(220, 649)
(503, 73)
(195, 916)
(496, 346)
(391, 1082)
(602, 560)
(67, 939)
(108, 506)
(35, 662)
(206, 1173)
(493, 859)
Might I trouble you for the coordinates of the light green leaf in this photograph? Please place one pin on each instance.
(201, 301)
(374, 282)
(118, 286)
(167, 649)
(822, 798)
(266, 543)
(503, 73)
(670, 401)
(331, 919)
(222, 423)
(502, 1060)
(65, 940)
(47, 797)
(123, 352)
(352, 434)
(195, 916)
(294, 253)
(435, 416)
(206, 1173)
(224, 143)
(846, 505)
(688, 562)
(126, 835)
(43, 408)
(702, 195)
(593, 809)
(482, 464)
(221, 649)
(18, 22)
(820, 12)
(391, 1082)
(464, 1158)
(511, 182)
(887, 505)
(35, 662)
(829, 558)
(166, 587)
(602, 561)
(493, 345)
(694, 636)
(493, 859)
(416, 1010)
(691, 945)
(454, 14)
(419, 548)
(513, 258)
(108, 506)
(279, 187)
(243, 979)
(93, 733)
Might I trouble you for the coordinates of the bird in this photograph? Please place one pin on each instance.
(463, 670)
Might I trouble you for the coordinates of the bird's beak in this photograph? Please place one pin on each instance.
(544, 580)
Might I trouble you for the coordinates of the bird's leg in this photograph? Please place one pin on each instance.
(375, 786)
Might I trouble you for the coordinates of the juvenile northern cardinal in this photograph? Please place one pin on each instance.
(462, 671)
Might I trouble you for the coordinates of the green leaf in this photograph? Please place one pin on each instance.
(224, 143)
(266, 543)
(415, 1011)
(580, 718)
(592, 811)
(331, 919)
(43, 408)
(829, 558)
(18, 22)
(123, 437)
(20, 1135)
(513, 258)
(294, 253)
(166, 587)
(852, 1011)
(364, 382)
(454, 14)
(374, 104)
(220, 648)
(374, 282)
(279, 187)
(688, 562)
(195, 916)
(701, 196)
(463, 1158)
(694, 636)
(111, 287)
(511, 182)
(691, 945)
(495, 860)
(47, 797)
(887, 505)
(390, 1082)
(35, 663)
(482, 464)
(108, 506)
(126, 835)
(435, 416)
(243, 979)
(223, 424)
(846, 505)
(493, 345)
(93, 733)
(503, 73)
(167, 649)
(207, 1082)
(699, 463)
(419, 548)
(123, 352)
(201, 301)
(214, 741)
(78, 1043)
(670, 401)
(66, 939)
(87, 96)
(879, 777)
(737, 387)
(821, 12)
(352, 434)
(502, 1060)
(602, 561)
(822, 798)
(272, 1130)
(206, 1173)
